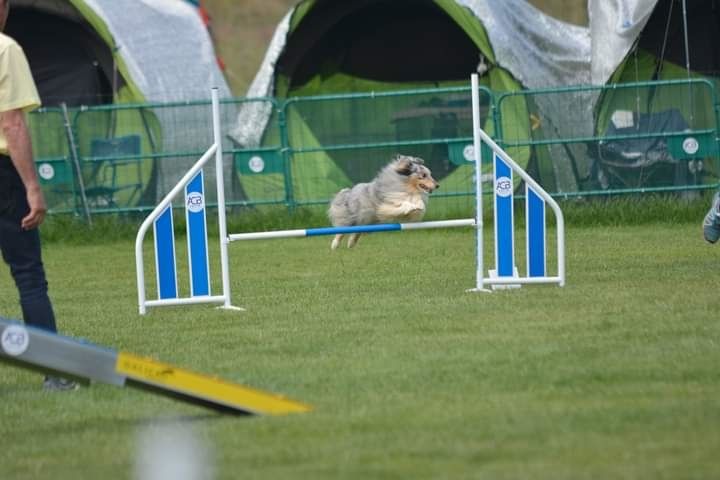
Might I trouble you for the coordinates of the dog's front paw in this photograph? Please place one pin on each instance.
(411, 208)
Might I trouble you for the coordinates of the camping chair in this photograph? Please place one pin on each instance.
(643, 158)
(53, 159)
(116, 165)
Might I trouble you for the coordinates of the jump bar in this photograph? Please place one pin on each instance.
(382, 227)
(35, 349)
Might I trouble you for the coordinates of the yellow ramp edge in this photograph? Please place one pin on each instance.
(213, 389)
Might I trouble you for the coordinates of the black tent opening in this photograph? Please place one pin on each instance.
(389, 41)
(664, 34)
(69, 61)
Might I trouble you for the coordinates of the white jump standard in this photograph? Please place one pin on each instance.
(536, 197)
(161, 221)
(505, 273)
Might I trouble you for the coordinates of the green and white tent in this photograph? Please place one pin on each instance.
(664, 40)
(94, 53)
(86, 52)
(325, 47)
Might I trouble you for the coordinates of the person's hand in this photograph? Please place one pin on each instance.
(38, 208)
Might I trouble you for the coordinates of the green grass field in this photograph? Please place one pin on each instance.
(613, 376)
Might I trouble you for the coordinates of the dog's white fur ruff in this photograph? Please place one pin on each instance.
(399, 193)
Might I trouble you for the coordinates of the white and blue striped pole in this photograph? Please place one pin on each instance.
(381, 227)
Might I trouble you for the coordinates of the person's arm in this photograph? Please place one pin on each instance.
(14, 128)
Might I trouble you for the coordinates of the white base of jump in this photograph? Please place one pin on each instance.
(193, 301)
(494, 274)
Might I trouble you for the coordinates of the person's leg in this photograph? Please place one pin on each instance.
(21, 251)
(711, 223)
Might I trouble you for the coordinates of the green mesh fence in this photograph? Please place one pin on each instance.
(49, 131)
(125, 158)
(621, 138)
(337, 141)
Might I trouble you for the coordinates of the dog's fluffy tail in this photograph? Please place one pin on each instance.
(338, 211)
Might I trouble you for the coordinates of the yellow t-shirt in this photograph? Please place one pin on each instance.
(17, 88)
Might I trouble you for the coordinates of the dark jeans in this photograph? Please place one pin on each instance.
(21, 250)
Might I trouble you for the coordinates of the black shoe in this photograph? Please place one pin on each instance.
(58, 384)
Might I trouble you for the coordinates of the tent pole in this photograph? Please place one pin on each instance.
(685, 32)
(687, 60)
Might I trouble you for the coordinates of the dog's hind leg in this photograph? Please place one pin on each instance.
(336, 241)
(353, 239)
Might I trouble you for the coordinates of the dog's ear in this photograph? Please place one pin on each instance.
(418, 160)
(404, 165)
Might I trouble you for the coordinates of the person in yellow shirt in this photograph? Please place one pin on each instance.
(22, 204)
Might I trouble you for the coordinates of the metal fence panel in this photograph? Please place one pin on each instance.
(337, 141)
(129, 155)
(622, 138)
(49, 133)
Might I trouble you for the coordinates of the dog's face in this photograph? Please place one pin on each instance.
(419, 176)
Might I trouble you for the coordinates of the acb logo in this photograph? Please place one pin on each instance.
(503, 187)
(195, 202)
(15, 340)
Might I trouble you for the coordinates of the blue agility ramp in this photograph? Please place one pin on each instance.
(49, 353)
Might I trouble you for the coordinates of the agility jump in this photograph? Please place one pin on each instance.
(504, 275)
